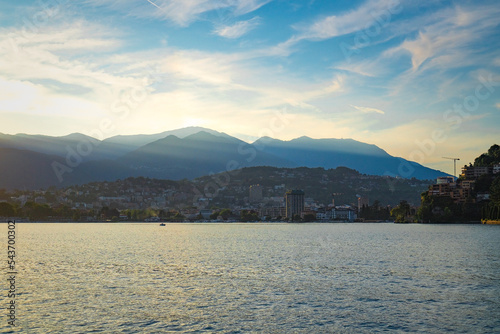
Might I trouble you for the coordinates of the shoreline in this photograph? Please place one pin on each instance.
(483, 222)
(490, 221)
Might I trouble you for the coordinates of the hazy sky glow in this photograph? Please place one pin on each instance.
(420, 81)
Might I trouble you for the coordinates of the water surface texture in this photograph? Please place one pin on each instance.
(270, 278)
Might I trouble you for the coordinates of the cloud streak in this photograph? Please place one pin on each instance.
(238, 29)
(180, 12)
(370, 13)
(368, 110)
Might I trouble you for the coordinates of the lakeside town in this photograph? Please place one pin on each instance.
(144, 199)
(282, 194)
(272, 194)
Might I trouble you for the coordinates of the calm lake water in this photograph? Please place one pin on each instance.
(270, 278)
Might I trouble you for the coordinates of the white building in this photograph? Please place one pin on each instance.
(345, 213)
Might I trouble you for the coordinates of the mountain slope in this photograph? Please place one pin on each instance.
(333, 153)
(88, 148)
(196, 155)
(23, 169)
(137, 141)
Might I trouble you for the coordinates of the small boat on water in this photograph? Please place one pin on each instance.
(162, 224)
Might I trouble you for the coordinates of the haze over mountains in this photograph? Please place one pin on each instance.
(36, 161)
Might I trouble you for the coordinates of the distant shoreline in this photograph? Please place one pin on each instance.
(489, 222)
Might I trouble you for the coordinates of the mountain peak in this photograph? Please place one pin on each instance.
(302, 138)
(210, 136)
(201, 134)
(76, 136)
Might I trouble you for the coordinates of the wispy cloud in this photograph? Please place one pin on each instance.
(445, 46)
(54, 55)
(449, 41)
(85, 76)
(344, 23)
(368, 110)
(349, 22)
(238, 29)
(181, 12)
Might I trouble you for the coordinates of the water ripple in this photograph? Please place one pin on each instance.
(274, 278)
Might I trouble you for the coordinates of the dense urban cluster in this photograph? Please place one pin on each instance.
(249, 194)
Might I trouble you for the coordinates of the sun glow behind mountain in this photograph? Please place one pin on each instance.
(418, 79)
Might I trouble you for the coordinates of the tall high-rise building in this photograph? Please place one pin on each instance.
(294, 200)
(255, 194)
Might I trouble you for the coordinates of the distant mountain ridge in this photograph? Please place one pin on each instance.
(333, 153)
(141, 140)
(178, 154)
(196, 155)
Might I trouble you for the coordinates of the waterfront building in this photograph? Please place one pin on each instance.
(345, 213)
(294, 200)
(273, 212)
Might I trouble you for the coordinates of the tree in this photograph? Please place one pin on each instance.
(495, 191)
(37, 211)
(107, 213)
(248, 216)
(309, 217)
(179, 217)
(226, 213)
(3, 195)
(76, 216)
(214, 215)
(489, 158)
(401, 213)
(7, 210)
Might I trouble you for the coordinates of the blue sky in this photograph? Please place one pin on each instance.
(421, 81)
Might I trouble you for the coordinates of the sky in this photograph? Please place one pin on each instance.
(420, 79)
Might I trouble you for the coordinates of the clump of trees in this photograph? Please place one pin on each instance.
(225, 214)
(491, 211)
(40, 212)
(403, 213)
(7, 210)
(143, 214)
(249, 216)
(375, 212)
(489, 158)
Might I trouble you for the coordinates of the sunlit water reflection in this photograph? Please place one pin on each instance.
(303, 278)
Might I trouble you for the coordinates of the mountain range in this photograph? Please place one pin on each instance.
(36, 161)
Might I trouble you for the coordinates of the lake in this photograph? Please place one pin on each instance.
(269, 278)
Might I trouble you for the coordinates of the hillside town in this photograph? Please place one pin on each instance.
(258, 193)
(473, 196)
(271, 194)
